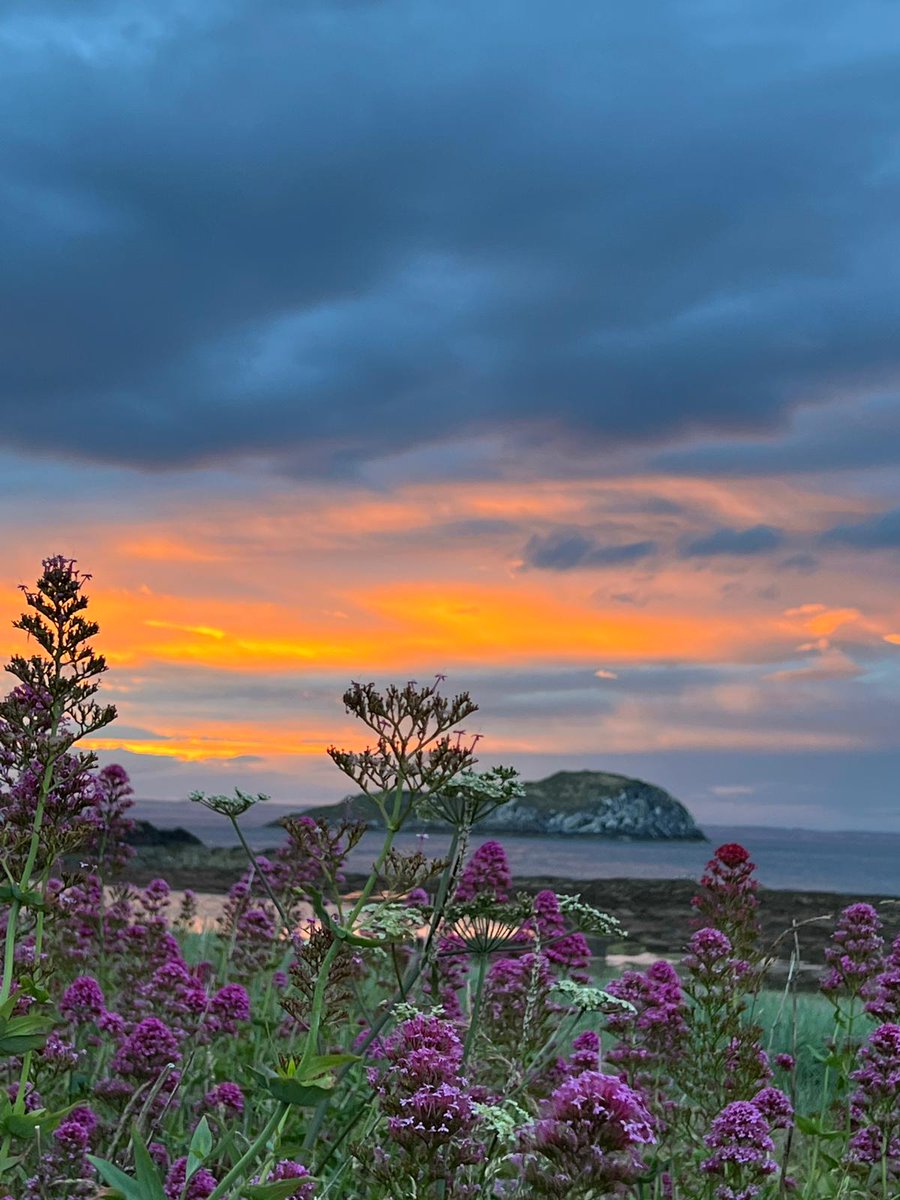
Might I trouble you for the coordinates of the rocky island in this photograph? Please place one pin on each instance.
(568, 803)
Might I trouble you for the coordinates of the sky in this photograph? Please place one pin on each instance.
(552, 348)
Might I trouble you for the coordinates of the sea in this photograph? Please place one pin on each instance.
(795, 859)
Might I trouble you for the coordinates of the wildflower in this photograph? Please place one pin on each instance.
(566, 950)
(585, 1054)
(786, 1062)
(486, 875)
(82, 1000)
(742, 1147)
(875, 1104)
(728, 901)
(431, 1116)
(59, 1053)
(655, 1016)
(423, 1051)
(587, 1137)
(855, 954)
(484, 925)
(775, 1107)
(111, 1023)
(149, 1047)
(885, 1002)
(227, 1096)
(472, 796)
(201, 1184)
(288, 1169)
(229, 1007)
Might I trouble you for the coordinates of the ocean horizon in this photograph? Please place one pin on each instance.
(843, 861)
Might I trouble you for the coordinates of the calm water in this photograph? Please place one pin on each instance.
(801, 859)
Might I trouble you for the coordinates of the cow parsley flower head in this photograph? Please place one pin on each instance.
(228, 806)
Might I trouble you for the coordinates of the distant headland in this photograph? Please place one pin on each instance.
(569, 803)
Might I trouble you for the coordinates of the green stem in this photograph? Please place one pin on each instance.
(235, 1175)
(288, 928)
(476, 1007)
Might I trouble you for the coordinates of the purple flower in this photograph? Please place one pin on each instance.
(585, 1054)
(82, 1000)
(432, 1116)
(655, 1033)
(59, 1053)
(149, 1047)
(422, 1052)
(486, 874)
(855, 954)
(561, 947)
(229, 1006)
(885, 1002)
(227, 1096)
(742, 1147)
(587, 1136)
(288, 1169)
(111, 1023)
(201, 1184)
(775, 1107)
(728, 901)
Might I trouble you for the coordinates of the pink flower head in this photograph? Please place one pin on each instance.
(82, 1000)
(202, 1184)
(229, 1006)
(149, 1047)
(563, 948)
(227, 1096)
(854, 956)
(486, 874)
(742, 1142)
(775, 1107)
(423, 1051)
(588, 1136)
(288, 1169)
(732, 854)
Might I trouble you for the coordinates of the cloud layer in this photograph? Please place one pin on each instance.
(554, 351)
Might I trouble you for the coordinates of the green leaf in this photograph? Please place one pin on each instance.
(301, 1095)
(277, 1189)
(814, 1127)
(201, 1144)
(117, 1179)
(20, 1034)
(321, 1063)
(145, 1170)
(23, 1125)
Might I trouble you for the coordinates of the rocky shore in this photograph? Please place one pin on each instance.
(656, 913)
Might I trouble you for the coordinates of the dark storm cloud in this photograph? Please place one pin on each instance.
(758, 539)
(565, 549)
(858, 435)
(325, 232)
(877, 533)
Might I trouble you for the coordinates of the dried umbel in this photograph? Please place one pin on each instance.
(415, 752)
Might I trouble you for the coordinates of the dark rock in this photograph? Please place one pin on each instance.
(147, 834)
(568, 803)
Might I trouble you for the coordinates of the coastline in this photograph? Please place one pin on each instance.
(655, 913)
